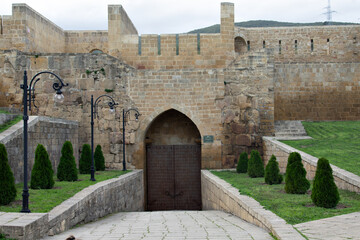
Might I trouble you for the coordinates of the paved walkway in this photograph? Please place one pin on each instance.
(165, 225)
(335, 228)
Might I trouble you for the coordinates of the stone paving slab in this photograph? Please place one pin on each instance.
(335, 228)
(167, 225)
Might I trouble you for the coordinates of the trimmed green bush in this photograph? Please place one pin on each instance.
(99, 159)
(7, 180)
(295, 179)
(242, 164)
(67, 170)
(42, 172)
(324, 193)
(293, 157)
(85, 159)
(272, 172)
(255, 165)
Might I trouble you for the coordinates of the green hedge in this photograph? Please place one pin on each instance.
(67, 170)
(325, 192)
(272, 172)
(7, 180)
(42, 172)
(85, 159)
(255, 165)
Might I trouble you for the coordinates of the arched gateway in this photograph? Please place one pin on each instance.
(173, 162)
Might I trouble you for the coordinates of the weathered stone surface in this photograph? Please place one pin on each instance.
(244, 140)
(220, 195)
(50, 132)
(238, 128)
(125, 193)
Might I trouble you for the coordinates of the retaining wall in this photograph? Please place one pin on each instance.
(4, 118)
(50, 132)
(125, 193)
(220, 195)
(343, 179)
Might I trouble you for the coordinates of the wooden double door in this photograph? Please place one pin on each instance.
(173, 177)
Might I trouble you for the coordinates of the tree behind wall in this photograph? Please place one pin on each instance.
(42, 174)
(67, 170)
(7, 180)
(85, 159)
(99, 159)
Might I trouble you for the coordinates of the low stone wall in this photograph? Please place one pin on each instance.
(50, 132)
(4, 118)
(343, 179)
(220, 195)
(125, 193)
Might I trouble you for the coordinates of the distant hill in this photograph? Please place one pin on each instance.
(265, 23)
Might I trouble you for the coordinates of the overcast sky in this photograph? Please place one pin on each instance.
(179, 16)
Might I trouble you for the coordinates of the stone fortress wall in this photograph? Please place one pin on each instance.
(304, 44)
(228, 84)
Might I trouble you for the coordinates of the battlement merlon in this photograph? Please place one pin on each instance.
(119, 22)
(227, 18)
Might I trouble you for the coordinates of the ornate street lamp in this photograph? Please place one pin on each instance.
(94, 113)
(125, 115)
(28, 98)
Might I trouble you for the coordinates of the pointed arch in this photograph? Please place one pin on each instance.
(148, 120)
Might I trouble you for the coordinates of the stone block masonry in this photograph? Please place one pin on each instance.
(306, 44)
(317, 91)
(50, 132)
(125, 193)
(343, 179)
(220, 195)
(4, 118)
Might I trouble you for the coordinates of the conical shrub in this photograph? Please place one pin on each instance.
(295, 179)
(242, 164)
(255, 165)
(67, 170)
(7, 180)
(85, 159)
(42, 174)
(293, 157)
(272, 172)
(324, 193)
(99, 159)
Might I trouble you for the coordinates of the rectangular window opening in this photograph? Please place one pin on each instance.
(198, 43)
(279, 46)
(139, 46)
(264, 44)
(248, 45)
(312, 45)
(159, 45)
(177, 44)
(296, 46)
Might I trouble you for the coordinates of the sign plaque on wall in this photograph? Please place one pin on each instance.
(208, 139)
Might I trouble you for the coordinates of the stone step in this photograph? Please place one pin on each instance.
(289, 128)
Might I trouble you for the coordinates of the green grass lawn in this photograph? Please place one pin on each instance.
(8, 124)
(339, 142)
(43, 200)
(294, 208)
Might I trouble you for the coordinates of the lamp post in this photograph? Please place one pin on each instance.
(27, 99)
(94, 113)
(125, 114)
